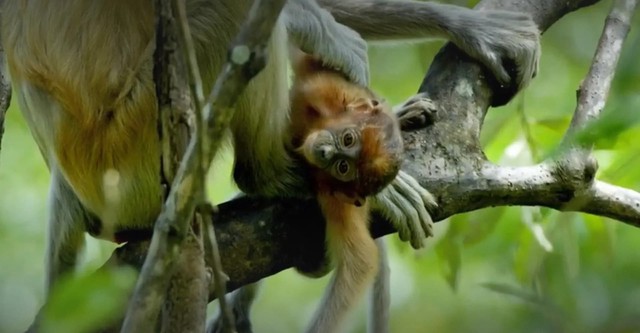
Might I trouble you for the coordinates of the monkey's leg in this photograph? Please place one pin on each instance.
(66, 226)
(379, 306)
(240, 302)
(67, 223)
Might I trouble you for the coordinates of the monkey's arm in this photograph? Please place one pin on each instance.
(487, 35)
(316, 32)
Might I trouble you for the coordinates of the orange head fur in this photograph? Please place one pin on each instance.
(325, 108)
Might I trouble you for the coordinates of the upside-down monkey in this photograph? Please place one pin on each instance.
(82, 75)
(353, 148)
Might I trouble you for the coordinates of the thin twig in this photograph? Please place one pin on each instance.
(195, 85)
(592, 97)
(594, 90)
(219, 277)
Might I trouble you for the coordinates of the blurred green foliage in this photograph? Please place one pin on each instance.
(503, 269)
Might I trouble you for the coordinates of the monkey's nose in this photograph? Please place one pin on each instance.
(327, 152)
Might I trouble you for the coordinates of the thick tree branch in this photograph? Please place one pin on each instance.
(258, 238)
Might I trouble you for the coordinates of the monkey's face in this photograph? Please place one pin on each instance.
(346, 135)
(354, 159)
(334, 150)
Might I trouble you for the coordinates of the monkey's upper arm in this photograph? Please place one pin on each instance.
(490, 36)
(315, 31)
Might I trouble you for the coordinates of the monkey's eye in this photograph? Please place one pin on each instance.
(348, 139)
(342, 167)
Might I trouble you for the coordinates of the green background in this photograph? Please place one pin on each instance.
(485, 271)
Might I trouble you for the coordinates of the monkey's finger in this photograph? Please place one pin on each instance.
(427, 197)
(495, 65)
(385, 205)
(401, 220)
(420, 197)
(413, 207)
(398, 219)
(428, 202)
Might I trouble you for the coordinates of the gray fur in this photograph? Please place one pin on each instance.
(487, 35)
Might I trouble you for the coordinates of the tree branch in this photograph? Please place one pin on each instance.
(592, 95)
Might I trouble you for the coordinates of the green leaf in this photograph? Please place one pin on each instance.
(449, 250)
(602, 234)
(557, 124)
(566, 231)
(481, 224)
(516, 292)
(528, 258)
(604, 131)
(88, 302)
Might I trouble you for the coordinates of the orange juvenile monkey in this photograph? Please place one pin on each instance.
(353, 148)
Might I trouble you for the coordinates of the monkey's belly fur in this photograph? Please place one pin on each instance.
(89, 99)
(117, 179)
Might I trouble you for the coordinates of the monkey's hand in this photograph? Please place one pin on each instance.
(500, 39)
(417, 112)
(315, 31)
(406, 204)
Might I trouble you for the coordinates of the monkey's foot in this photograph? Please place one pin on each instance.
(417, 112)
